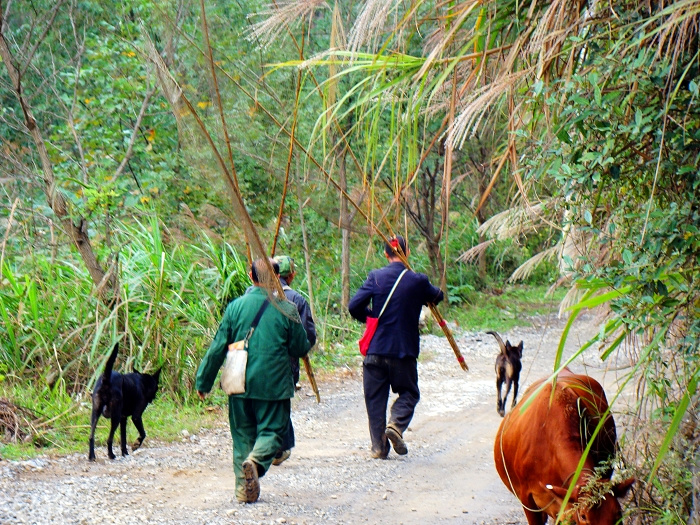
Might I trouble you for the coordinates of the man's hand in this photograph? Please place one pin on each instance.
(201, 395)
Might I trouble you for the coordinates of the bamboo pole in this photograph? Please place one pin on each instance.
(436, 314)
(433, 308)
(237, 197)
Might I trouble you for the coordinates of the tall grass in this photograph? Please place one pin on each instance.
(54, 330)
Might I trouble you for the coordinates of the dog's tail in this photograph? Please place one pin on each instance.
(500, 341)
(107, 374)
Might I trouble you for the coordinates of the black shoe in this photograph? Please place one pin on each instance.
(396, 438)
(378, 454)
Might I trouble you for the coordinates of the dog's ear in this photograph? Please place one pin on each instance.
(133, 369)
(156, 376)
(519, 348)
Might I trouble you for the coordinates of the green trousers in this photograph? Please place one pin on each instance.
(257, 429)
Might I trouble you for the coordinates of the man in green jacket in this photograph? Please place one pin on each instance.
(258, 417)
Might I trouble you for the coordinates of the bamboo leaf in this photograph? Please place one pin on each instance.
(600, 299)
(681, 409)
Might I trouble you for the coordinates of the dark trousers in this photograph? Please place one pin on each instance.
(288, 441)
(379, 374)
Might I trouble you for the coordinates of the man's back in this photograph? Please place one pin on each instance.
(279, 335)
(304, 310)
(397, 332)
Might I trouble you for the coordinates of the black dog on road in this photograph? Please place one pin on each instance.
(118, 396)
(508, 368)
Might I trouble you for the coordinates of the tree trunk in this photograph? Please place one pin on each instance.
(437, 263)
(105, 282)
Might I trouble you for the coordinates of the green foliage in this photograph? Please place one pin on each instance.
(625, 160)
(62, 422)
(613, 144)
(53, 328)
(515, 306)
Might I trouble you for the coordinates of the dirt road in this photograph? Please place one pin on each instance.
(447, 477)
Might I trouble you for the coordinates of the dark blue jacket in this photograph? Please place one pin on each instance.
(397, 332)
(304, 311)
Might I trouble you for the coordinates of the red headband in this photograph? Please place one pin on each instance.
(394, 243)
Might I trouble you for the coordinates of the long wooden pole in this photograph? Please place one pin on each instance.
(436, 314)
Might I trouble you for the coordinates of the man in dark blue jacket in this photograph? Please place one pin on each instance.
(287, 271)
(392, 354)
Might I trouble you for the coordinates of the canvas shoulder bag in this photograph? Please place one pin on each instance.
(372, 322)
(233, 374)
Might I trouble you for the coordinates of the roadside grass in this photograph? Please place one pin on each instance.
(513, 306)
(62, 424)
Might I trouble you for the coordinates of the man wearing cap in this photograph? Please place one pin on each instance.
(287, 272)
(391, 359)
(258, 417)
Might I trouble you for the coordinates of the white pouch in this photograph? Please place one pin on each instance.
(233, 374)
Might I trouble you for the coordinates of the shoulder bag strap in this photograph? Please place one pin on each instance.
(391, 292)
(254, 325)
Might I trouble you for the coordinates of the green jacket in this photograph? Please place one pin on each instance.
(278, 337)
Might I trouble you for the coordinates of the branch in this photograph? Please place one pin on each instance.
(39, 40)
(134, 133)
(55, 198)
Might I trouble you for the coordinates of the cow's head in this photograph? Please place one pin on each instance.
(592, 504)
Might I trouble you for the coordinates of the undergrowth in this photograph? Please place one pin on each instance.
(63, 419)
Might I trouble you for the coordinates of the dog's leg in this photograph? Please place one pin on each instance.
(505, 397)
(500, 407)
(138, 423)
(515, 392)
(122, 436)
(110, 440)
(93, 424)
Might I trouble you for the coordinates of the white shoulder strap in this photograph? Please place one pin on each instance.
(391, 292)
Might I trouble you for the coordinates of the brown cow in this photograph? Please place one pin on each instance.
(538, 449)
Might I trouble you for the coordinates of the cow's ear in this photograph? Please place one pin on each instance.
(620, 489)
(558, 492)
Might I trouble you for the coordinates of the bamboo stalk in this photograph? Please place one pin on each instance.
(237, 198)
(224, 127)
(448, 334)
(439, 319)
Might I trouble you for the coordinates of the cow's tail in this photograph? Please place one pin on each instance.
(500, 341)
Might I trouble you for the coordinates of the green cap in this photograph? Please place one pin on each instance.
(286, 265)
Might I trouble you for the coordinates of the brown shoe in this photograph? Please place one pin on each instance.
(252, 485)
(396, 438)
(281, 457)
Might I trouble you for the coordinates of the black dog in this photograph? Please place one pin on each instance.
(118, 396)
(508, 368)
